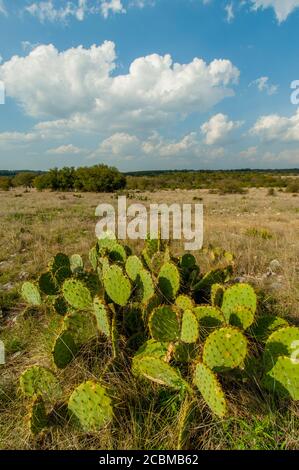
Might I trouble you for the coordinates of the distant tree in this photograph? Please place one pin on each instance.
(5, 183)
(24, 179)
(42, 182)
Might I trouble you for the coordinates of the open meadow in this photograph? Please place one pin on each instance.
(260, 228)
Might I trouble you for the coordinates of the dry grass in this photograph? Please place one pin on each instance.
(37, 225)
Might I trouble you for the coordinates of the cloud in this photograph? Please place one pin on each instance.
(66, 150)
(79, 90)
(278, 128)
(230, 15)
(3, 9)
(218, 128)
(263, 84)
(112, 6)
(48, 11)
(282, 8)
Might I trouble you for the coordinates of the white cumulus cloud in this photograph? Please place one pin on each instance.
(275, 127)
(282, 8)
(218, 128)
(263, 84)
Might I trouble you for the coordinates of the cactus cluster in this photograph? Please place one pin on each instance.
(178, 327)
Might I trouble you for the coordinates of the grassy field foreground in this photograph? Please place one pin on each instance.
(256, 227)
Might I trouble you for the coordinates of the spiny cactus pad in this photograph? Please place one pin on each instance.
(47, 284)
(30, 293)
(209, 317)
(187, 261)
(93, 257)
(158, 371)
(190, 327)
(76, 263)
(133, 267)
(117, 285)
(80, 325)
(217, 292)
(207, 383)
(266, 325)
(152, 348)
(146, 288)
(60, 267)
(169, 280)
(225, 349)
(242, 317)
(282, 342)
(184, 302)
(283, 378)
(77, 294)
(60, 305)
(64, 350)
(37, 380)
(239, 295)
(37, 416)
(118, 254)
(164, 325)
(103, 316)
(91, 406)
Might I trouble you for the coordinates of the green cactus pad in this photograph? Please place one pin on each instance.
(81, 325)
(184, 302)
(242, 317)
(163, 324)
(118, 254)
(282, 342)
(103, 317)
(37, 416)
(157, 262)
(60, 267)
(209, 317)
(169, 280)
(190, 327)
(217, 276)
(225, 349)
(47, 284)
(76, 263)
(37, 380)
(152, 348)
(283, 378)
(93, 257)
(208, 385)
(106, 243)
(77, 294)
(265, 326)
(64, 350)
(184, 352)
(145, 285)
(91, 406)
(217, 292)
(133, 267)
(239, 295)
(187, 261)
(117, 285)
(30, 293)
(60, 306)
(158, 371)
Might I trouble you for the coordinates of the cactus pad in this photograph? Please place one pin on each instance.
(169, 280)
(208, 385)
(80, 325)
(30, 293)
(93, 257)
(225, 349)
(145, 286)
(184, 302)
(242, 317)
(158, 371)
(152, 348)
(217, 292)
(60, 306)
(60, 267)
(118, 254)
(47, 284)
(117, 285)
(133, 267)
(283, 378)
(76, 263)
(239, 295)
(64, 350)
(190, 327)
(163, 324)
(103, 317)
(187, 261)
(91, 406)
(282, 342)
(37, 416)
(77, 294)
(209, 317)
(39, 381)
(266, 325)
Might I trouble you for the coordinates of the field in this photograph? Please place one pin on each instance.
(256, 226)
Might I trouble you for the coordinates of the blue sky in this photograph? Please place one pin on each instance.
(149, 84)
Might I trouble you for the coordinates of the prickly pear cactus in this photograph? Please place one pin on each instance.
(60, 268)
(64, 350)
(37, 418)
(265, 326)
(93, 257)
(164, 325)
(47, 284)
(117, 285)
(76, 263)
(145, 286)
(80, 325)
(77, 294)
(133, 267)
(184, 302)
(103, 317)
(190, 327)
(283, 342)
(207, 383)
(30, 294)
(60, 305)
(225, 349)
(239, 305)
(91, 406)
(283, 378)
(158, 371)
(39, 381)
(169, 280)
(209, 317)
(217, 292)
(153, 348)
